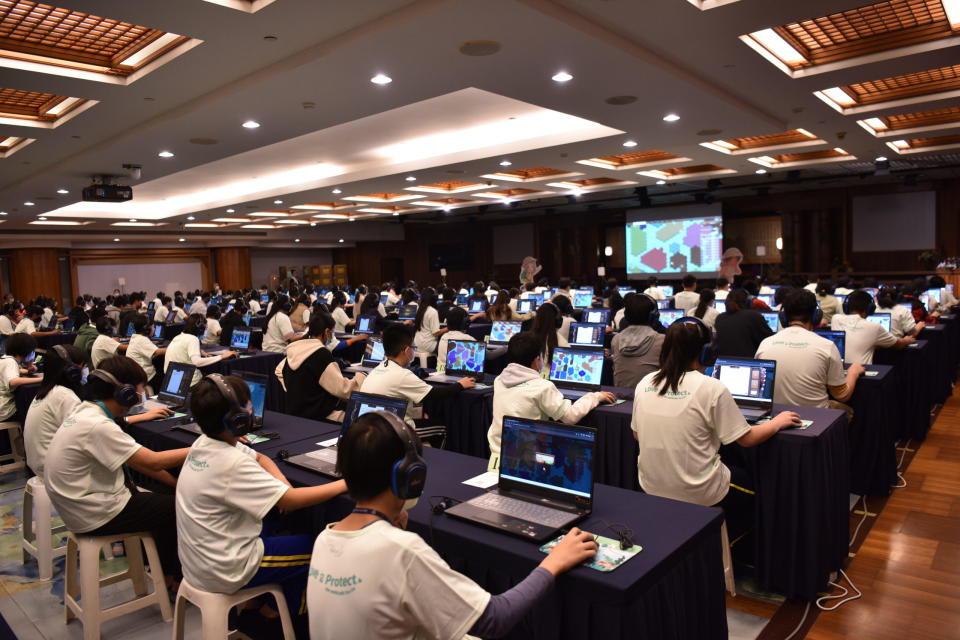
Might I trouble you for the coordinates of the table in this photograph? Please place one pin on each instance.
(258, 362)
(876, 406)
(914, 371)
(942, 380)
(48, 342)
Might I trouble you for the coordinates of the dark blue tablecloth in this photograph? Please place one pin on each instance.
(873, 434)
(48, 342)
(914, 371)
(942, 380)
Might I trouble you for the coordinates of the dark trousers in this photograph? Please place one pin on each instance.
(739, 503)
(151, 512)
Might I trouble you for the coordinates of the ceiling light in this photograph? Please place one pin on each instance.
(278, 202)
(775, 44)
(231, 219)
(296, 239)
(133, 219)
(396, 213)
(661, 182)
(952, 7)
(608, 251)
(259, 226)
(411, 179)
(41, 218)
(381, 79)
(28, 204)
(630, 143)
(835, 96)
(191, 218)
(446, 209)
(116, 239)
(876, 124)
(165, 154)
(352, 219)
(340, 240)
(3, 213)
(779, 244)
(562, 76)
(761, 171)
(231, 210)
(62, 191)
(880, 159)
(202, 225)
(313, 224)
(251, 124)
(182, 240)
(671, 117)
(505, 163)
(336, 191)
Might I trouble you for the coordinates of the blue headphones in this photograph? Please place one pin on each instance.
(871, 308)
(72, 372)
(708, 353)
(125, 394)
(655, 314)
(409, 474)
(814, 319)
(237, 420)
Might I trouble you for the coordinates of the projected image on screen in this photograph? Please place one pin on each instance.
(686, 245)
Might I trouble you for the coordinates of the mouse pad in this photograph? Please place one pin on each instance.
(609, 554)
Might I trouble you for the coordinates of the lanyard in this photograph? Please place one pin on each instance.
(106, 410)
(372, 512)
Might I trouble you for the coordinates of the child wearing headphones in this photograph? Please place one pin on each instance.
(682, 417)
(371, 579)
(185, 348)
(105, 345)
(636, 348)
(864, 336)
(83, 470)
(224, 492)
(15, 365)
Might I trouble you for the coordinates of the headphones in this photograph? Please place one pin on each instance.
(708, 353)
(871, 308)
(814, 319)
(237, 421)
(409, 474)
(655, 314)
(125, 394)
(559, 319)
(72, 373)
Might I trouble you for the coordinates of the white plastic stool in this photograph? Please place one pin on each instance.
(36, 528)
(423, 357)
(728, 578)
(12, 461)
(215, 608)
(86, 550)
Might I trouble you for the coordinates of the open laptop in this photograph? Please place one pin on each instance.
(596, 316)
(127, 334)
(576, 372)
(240, 340)
(767, 298)
(545, 484)
(465, 359)
(476, 305)
(750, 383)
(151, 307)
(582, 299)
(665, 289)
(773, 320)
(257, 384)
(838, 338)
(883, 319)
(587, 334)
(157, 333)
(526, 305)
(669, 316)
(462, 299)
(372, 356)
(324, 460)
(175, 387)
(537, 299)
(247, 317)
(264, 299)
(502, 331)
(840, 298)
(664, 304)
(407, 312)
(720, 306)
(366, 324)
(625, 290)
(384, 299)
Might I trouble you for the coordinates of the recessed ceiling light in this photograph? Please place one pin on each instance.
(165, 154)
(411, 179)
(505, 163)
(336, 191)
(231, 210)
(671, 117)
(562, 76)
(28, 204)
(62, 191)
(116, 239)
(3, 213)
(133, 219)
(381, 79)
(183, 239)
(661, 182)
(340, 240)
(41, 218)
(296, 239)
(278, 202)
(313, 224)
(881, 158)
(630, 143)
(191, 218)
(251, 124)
(352, 219)
(761, 171)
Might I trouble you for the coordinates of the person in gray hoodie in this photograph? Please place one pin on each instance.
(636, 349)
(520, 392)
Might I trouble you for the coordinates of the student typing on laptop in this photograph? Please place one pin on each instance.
(864, 336)
(407, 587)
(142, 350)
(520, 391)
(682, 417)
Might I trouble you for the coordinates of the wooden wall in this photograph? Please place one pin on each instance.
(34, 272)
(232, 267)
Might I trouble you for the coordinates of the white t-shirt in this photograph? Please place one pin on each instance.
(680, 434)
(43, 419)
(7, 327)
(185, 348)
(223, 495)
(212, 336)
(103, 347)
(341, 319)
(391, 380)
(47, 317)
(9, 369)
(655, 293)
(254, 306)
(686, 300)
(386, 583)
(26, 325)
(709, 316)
(811, 287)
(141, 351)
(82, 471)
(721, 294)
(442, 344)
(278, 327)
(806, 365)
(863, 337)
(424, 340)
(842, 291)
(902, 322)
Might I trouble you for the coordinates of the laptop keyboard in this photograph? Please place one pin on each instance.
(521, 510)
(326, 455)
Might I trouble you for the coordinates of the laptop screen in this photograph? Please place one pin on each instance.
(361, 403)
(767, 298)
(838, 338)
(374, 353)
(465, 356)
(665, 289)
(773, 320)
(582, 299)
(840, 298)
(171, 317)
(176, 382)
(525, 306)
(384, 298)
(669, 316)
(477, 306)
(583, 334)
(258, 395)
(935, 295)
(547, 455)
(720, 306)
(537, 299)
(246, 319)
(264, 299)
(597, 316)
(240, 339)
(408, 312)
(158, 331)
(748, 380)
(577, 366)
(502, 331)
(883, 319)
(461, 299)
(625, 290)
(366, 324)
(129, 329)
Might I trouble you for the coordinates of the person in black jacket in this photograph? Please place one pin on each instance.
(740, 330)
(230, 321)
(311, 377)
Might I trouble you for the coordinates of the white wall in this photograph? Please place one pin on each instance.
(266, 262)
(101, 279)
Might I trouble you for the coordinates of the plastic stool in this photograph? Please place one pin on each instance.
(423, 357)
(215, 608)
(12, 461)
(728, 578)
(36, 530)
(86, 550)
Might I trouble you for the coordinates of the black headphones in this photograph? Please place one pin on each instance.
(559, 320)
(125, 394)
(871, 308)
(237, 420)
(655, 314)
(409, 474)
(708, 353)
(814, 319)
(72, 372)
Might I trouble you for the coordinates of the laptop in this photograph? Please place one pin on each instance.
(175, 387)
(906, 305)
(257, 384)
(264, 299)
(767, 298)
(582, 299)
(171, 317)
(665, 289)
(157, 333)
(372, 356)
(366, 324)
(596, 316)
(773, 320)
(576, 372)
(477, 306)
(240, 340)
(537, 299)
(151, 308)
(750, 383)
(720, 306)
(545, 483)
(669, 316)
(625, 290)
(502, 331)
(840, 298)
(883, 319)
(462, 299)
(407, 312)
(664, 304)
(324, 460)
(127, 334)
(587, 334)
(247, 317)
(838, 338)
(526, 306)
(465, 359)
